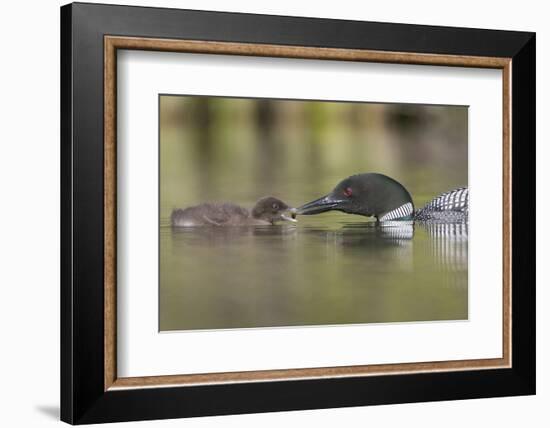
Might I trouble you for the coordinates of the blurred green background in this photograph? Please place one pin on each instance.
(324, 270)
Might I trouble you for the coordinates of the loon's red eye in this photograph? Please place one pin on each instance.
(348, 192)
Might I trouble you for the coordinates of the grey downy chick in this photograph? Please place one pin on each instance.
(267, 211)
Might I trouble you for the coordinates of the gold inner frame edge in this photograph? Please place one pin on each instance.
(113, 43)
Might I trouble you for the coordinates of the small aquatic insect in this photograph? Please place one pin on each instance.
(268, 210)
(380, 196)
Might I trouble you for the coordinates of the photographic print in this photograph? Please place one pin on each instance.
(281, 213)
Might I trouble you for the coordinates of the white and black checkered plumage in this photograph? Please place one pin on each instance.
(448, 207)
(402, 212)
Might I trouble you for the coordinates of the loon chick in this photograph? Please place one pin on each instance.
(377, 195)
(267, 210)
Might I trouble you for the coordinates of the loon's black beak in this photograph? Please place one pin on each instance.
(321, 205)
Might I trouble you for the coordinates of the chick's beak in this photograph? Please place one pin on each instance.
(292, 217)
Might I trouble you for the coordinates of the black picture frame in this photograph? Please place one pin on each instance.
(83, 398)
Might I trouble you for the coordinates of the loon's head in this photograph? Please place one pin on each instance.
(272, 210)
(367, 194)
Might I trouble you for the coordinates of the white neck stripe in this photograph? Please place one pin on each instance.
(404, 210)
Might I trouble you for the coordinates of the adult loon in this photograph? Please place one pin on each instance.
(267, 210)
(377, 195)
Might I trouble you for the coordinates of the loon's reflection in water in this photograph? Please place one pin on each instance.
(321, 271)
(446, 246)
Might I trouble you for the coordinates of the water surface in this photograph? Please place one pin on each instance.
(329, 269)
